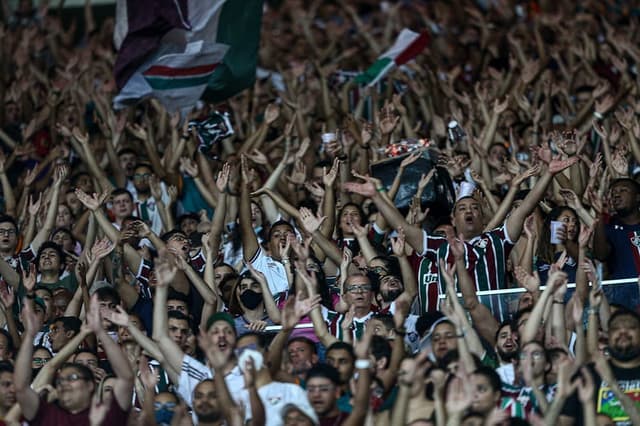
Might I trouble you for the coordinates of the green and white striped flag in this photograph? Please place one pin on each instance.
(180, 51)
(406, 47)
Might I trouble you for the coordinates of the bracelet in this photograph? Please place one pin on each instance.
(285, 260)
(401, 331)
(592, 311)
(598, 115)
(558, 302)
(363, 364)
(381, 189)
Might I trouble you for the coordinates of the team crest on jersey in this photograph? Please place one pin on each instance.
(481, 243)
(636, 240)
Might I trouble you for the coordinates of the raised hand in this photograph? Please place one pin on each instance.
(557, 165)
(92, 202)
(99, 409)
(398, 243)
(94, 316)
(529, 281)
(166, 269)
(585, 386)
(271, 113)
(425, 179)
(310, 222)
(118, 317)
(258, 157)
(328, 178)
(366, 189)
(60, 174)
(188, 166)
(299, 174)
(530, 227)
(34, 206)
(301, 249)
(101, 249)
(148, 377)
(29, 278)
(7, 296)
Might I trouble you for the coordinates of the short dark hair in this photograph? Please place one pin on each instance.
(167, 235)
(121, 191)
(10, 345)
(84, 371)
(179, 316)
(306, 340)
(502, 325)
(492, 376)
(385, 318)
(69, 324)
(51, 245)
(623, 312)
(343, 346)
(325, 371)
(629, 181)
(280, 222)
(260, 337)
(10, 219)
(127, 151)
(380, 348)
(6, 367)
(108, 293)
(177, 295)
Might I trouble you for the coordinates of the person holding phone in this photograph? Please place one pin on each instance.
(559, 234)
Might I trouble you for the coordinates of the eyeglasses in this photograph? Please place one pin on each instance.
(7, 232)
(359, 288)
(40, 361)
(141, 176)
(71, 378)
(319, 388)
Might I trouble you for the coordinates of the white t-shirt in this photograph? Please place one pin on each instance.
(276, 395)
(273, 271)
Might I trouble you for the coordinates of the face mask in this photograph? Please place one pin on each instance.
(251, 299)
(164, 413)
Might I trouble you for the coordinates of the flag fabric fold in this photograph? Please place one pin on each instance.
(407, 46)
(204, 47)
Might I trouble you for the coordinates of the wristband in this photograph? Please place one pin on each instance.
(558, 302)
(401, 331)
(592, 311)
(598, 115)
(381, 189)
(363, 364)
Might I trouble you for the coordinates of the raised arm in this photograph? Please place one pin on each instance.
(123, 387)
(414, 234)
(43, 234)
(27, 398)
(165, 273)
(516, 220)
(249, 239)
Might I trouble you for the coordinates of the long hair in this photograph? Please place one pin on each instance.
(546, 251)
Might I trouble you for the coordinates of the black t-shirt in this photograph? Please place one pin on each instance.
(605, 400)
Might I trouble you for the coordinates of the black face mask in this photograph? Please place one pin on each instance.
(251, 299)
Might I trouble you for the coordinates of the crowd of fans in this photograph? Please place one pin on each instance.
(270, 278)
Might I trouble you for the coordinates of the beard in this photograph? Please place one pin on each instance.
(208, 418)
(624, 354)
(391, 295)
(507, 356)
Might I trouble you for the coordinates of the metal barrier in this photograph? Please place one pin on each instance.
(507, 292)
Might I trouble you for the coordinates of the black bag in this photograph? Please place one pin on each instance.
(439, 194)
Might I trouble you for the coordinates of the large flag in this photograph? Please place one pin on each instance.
(179, 51)
(406, 47)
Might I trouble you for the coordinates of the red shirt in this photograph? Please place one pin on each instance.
(52, 414)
